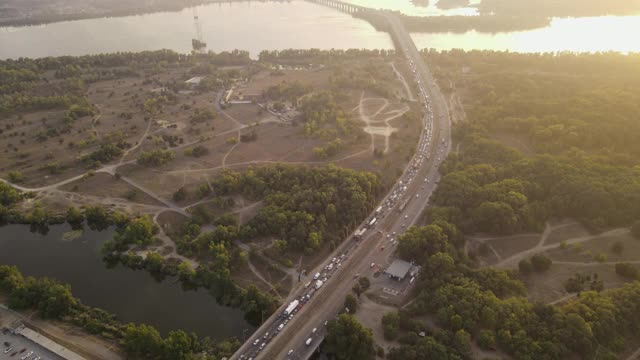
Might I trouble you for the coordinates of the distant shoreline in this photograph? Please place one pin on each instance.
(6, 21)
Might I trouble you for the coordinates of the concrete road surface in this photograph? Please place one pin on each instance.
(412, 190)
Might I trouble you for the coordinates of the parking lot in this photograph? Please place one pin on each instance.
(17, 343)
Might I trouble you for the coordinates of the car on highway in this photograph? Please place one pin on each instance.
(290, 352)
(308, 342)
(266, 335)
(263, 345)
(315, 330)
(256, 342)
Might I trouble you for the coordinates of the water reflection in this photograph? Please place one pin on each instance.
(252, 26)
(588, 34)
(133, 296)
(417, 7)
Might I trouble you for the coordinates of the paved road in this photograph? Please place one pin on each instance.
(412, 190)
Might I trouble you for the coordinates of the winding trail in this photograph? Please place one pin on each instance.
(513, 260)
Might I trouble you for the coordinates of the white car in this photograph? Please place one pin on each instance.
(290, 352)
(256, 342)
(315, 330)
(373, 264)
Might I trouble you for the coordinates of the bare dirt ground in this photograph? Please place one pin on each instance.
(126, 186)
(370, 316)
(572, 249)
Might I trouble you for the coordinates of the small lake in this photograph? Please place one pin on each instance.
(133, 296)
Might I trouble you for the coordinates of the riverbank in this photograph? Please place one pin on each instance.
(22, 13)
(71, 337)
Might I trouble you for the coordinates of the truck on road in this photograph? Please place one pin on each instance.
(292, 306)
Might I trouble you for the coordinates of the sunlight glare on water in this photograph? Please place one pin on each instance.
(416, 8)
(588, 34)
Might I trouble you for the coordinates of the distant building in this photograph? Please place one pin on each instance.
(398, 270)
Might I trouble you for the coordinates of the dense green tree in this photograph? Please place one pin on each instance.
(364, 282)
(139, 231)
(540, 262)
(74, 216)
(627, 270)
(8, 195)
(390, 325)
(142, 341)
(155, 158)
(348, 339)
(351, 303)
(525, 267)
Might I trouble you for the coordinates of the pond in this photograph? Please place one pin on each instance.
(133, 296)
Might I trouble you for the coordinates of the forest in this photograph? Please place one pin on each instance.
(573, 123)
(306, 207)
(574, 119)
(488, 306)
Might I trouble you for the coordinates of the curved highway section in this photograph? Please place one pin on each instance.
(297, 334)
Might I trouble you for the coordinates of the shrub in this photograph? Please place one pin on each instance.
(627, 270)
(525, 267)
(540, 263)
(617, 247)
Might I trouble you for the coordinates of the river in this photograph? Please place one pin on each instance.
(252, 26)
(256, 26)
(133, 296)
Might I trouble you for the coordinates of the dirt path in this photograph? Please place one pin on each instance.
(258, 162)
(147, 191)
(254, 270)
(403, 81)
(139, 143)
(635, 355)
(562, 299)
(594, 263)
(372, 126)
(514, 259)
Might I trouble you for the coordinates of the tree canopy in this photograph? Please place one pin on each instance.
(348, 339)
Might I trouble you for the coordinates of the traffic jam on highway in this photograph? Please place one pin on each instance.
(332, 266)
(310, 288)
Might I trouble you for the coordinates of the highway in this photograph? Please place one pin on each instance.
(354, 257)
